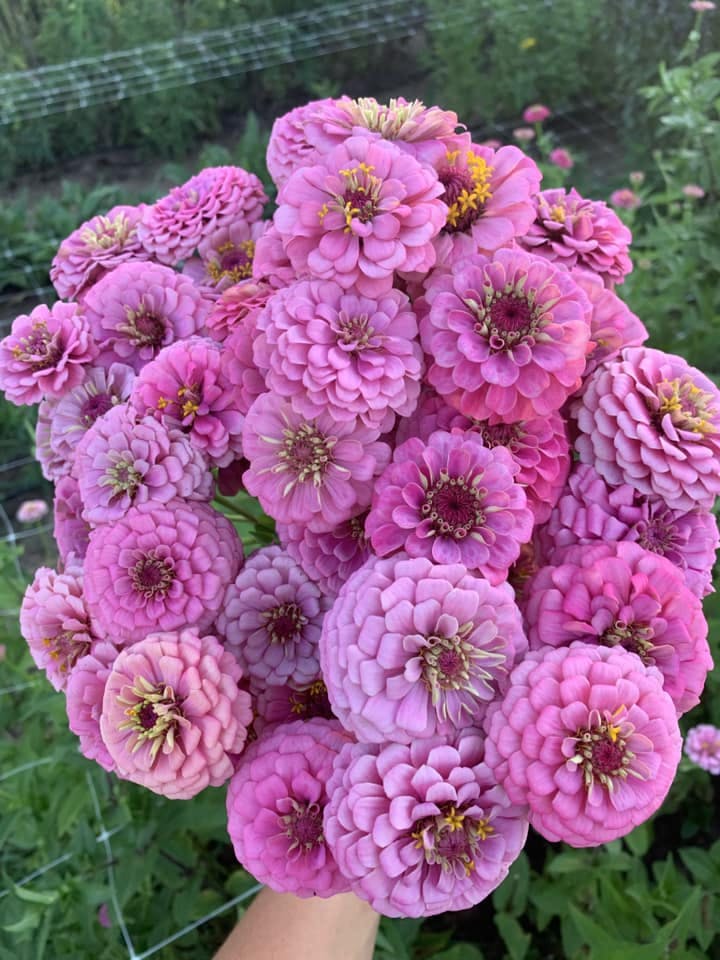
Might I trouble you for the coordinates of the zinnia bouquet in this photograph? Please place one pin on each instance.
(479, 504)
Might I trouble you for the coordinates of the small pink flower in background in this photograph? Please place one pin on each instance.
(523, 134)
(702, 745)
(625, 199)
(237, 305)
(225, 257)
(637, 178)
(3, 652)
(30, 511)
(45, 353)
(276, 801)
(492, 144)
(700, 6)
(327, 558)
(103, 916)
(536, 113)
(693, 191)
(84, 697)
(288, 147)
(561, 158)
(173, 715)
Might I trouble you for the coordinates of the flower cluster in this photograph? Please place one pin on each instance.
(478, 508)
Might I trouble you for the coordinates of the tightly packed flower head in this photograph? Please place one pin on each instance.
(237, 306)
(318, 472)
(190, 386)
(333, 351)
(56, 623)
(580, 233)
(424, 828)
(453, 500)
(588, 739)
(161, 566)
(225, 257)
(173, 227)
(651, 420)
(288, 147)
(702, 746)
(613, 326)
(619, 595)
(327, 558)
(70, 531)
(270, 619)
(45, 353)
(173, 714)
(101, 243)
(271, 264)
(123, 461)
(275, 805)
(411, 649)
(363, 212)
(248, 382)
(84, 698)
(508, 336)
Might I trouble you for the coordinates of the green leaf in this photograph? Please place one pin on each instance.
(514, 937)
(638, 842)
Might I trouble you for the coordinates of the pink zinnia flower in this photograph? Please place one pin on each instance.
(238, 305)
(271, 617)
(84, 697)
(317, 472)
(411, 649)
(702, 6)
(423, 828)
(702, 745)
(536, 113)
(275, 805)
(613, 325)
(283, 704)
(650, 420)
(271, 264)
(30, 511)
(173, 715)
(693, 191)
(327, 558)
(362, 213)
(70, 531)
(123, 461)
(523, 134)
(620, 595)
(191, 386)
(588, 739)
(45, 353)
(580, 233)
(453, 500)
(139, 308)
(248, 381)
(625, 199)
(101, 243)
(333, 351)
(288, 147)
(173, 227)
(56, 623)
(561, 158)
(508, 336)
(225, 257)
(161, 566)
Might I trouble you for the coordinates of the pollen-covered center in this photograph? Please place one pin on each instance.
(392, 120)
(143, 326)
(66, 648)
(353, 332)
(303, 826)
(451, 839)
(602, 752)
(453, 506)
(660, 535)
(454, 664)
(234, 261)
(40, 350)
(95, 406)
(122, 477)
(688, 406)
(360, 198)
(467, 190)
(152, 576)
(507, 317)
(311, 701)
(108, 233)
(306, 452)
(635, 637)
(500, 434)
(285, 622)
(154, 715)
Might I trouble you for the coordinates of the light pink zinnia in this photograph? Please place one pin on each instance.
(619, 595)
(576, 232)
(45, 353)
(31, 511)
(139, 308)
(70, 531)
(317, 472)
(275, 805)
(327, 558)
(83, 701)
(161, 566)
(411, 649)
(560, 157)
(270, 619)
(625, 199)
(424, 828)
(248, 381)
(588, 739)
(288, 147)
(333, 351)
(271, 264)
(225, 257)
(613, 326)
(650, 420)
(508, 337)
(173, 227)
(173, 715)
(362, 213)
(452, 500)
(101, 243)
(536, 113)
(237, 306)
(702, 745)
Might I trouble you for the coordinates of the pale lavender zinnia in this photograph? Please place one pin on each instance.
(330, 557)
(70, 531)
(702, 746)
(83, 701)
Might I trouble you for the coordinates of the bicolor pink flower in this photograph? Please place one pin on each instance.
(333, 351)
(452, 500)
(576, 232)
(536, 113)
(160, 567)
(225, 257)
(123, 461)
(101, 243)
(423, 828)
(84, 698)
(238, 305)
(620, 595)
(288, 147)
(70, 531)
(317, 472)
(588, 739)
(702, 746)
(651, 420)
(613, 325)
(45, 353)
(625, 199)
(56, 623)
(411, 649)
(139, 308)
(283, 704)
(327, 558)
(508, 337)
(271, 264)
(275, 805)
(173, 715)
(270, 619)
(363, 212)
(190, 386)
(173, 227)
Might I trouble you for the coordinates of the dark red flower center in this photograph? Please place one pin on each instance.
(455, 180)
(151, 576)
(234, 261)
(306, 452)
(607, 756)
(285, 622)
(635, 637)
(500, 434)
(510, 314)
(40, 350)
(311, 701)
(303, 826)
(354, 333)
(147, 716)
(453, 506)
(451, 839)
(95, 406)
